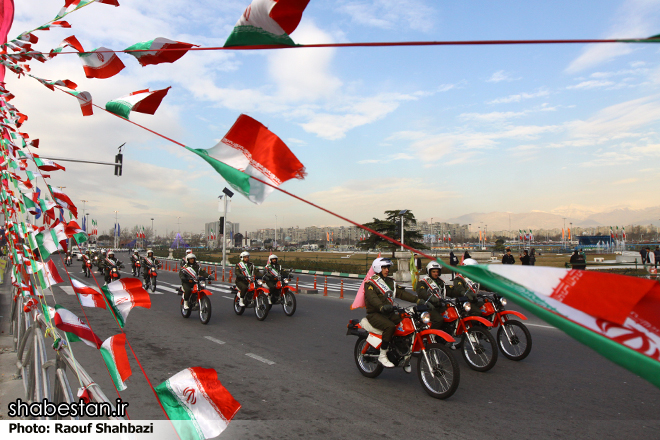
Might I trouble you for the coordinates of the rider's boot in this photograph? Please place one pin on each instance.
(382, 358)
(186, 304)
(407, 367)
(241, 303)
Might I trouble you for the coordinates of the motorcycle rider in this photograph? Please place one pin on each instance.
(245, 273)
(134, 259)
(85, 258)
(188, 274)
(461, 288)
(149, 261)
(106, 264)
(378, 294)
(272, 272)
(430, 288)
(182, 262)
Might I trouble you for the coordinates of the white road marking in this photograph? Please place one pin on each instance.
(217, 341)
(259, 358)
(539, 325)
(167, 289)
(228, 297)
(68, 290)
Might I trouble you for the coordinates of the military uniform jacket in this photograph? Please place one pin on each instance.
(245, 271)
(428, 286)
(150, 261)
(185, 275)
(273, 271)
(376, 295)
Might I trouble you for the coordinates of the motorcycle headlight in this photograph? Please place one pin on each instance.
(286, 281)
(202, 284)
(467, 307)
(503, 301)
(259, 282)
(426, 317)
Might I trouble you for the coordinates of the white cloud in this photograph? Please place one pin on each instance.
(386, 14)
(490, 117)
(501, 75)
(634, 19)
(520, 97)
(592, 84)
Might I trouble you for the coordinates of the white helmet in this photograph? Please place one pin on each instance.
(271, 256)
(433, 265)
(244, 254)
(135, 251)
(111, 253)
(470, 262)
(188, 251)
(190, 256)
(150, 252)
(379, 263)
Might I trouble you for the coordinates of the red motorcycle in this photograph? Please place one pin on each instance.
(256, 297)
(437, 369)
(199, 300)
(136, 268)
(88, 268)
(284, 295)
(513, 337)
(477, 345)
(151, 279)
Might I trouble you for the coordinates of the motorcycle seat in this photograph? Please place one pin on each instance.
(368, 327)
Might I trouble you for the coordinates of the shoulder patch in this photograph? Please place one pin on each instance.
(374, 277)
(370, 287)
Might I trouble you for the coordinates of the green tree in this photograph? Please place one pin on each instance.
(499, 244)
(390, 227)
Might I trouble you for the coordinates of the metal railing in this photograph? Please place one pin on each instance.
(34, 367)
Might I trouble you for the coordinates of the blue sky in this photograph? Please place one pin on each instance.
(443, 131)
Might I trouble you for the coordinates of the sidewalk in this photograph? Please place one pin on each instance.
(10, 388)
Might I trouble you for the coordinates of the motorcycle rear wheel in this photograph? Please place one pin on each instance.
(238, 309)
(518, 347)
(484, 354)
(204, 309)
(368, 366)
(289, 304)
(446, 376)
(185, 313)
(261, 307)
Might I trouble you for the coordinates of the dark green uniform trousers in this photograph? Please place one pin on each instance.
(386, 323)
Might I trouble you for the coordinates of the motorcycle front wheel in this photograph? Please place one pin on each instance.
(153, 284)
(479, 349)
(237, 308)
(289, 304)
(438, 371)
(86, 273)
(261, 307)
(185, 313)
(514, 340)
(204, 309)
(367, 363)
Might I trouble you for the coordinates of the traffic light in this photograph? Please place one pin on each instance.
(119, 159)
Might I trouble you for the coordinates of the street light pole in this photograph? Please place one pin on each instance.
(275, 236)
(116, 231)
(228, 194)
(153, 233)
(402, 213)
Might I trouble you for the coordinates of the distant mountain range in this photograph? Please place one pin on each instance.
(505, 221)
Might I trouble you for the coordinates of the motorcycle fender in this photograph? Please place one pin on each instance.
(511, 312)
(447, 337)
(478, 319)
(356, 332)
(206, 292)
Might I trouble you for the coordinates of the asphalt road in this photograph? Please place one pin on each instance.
(296, 377)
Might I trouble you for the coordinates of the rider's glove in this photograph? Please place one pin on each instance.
(387, 309)
(435, 301)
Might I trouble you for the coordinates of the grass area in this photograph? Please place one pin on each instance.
(359, 263)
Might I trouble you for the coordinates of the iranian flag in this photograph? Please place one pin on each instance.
(616, 315)
(72, 5)
(142, 101)
(88, 296)
(76, 329)
(197, 403)
(158, 50)
(125, 294)
(267, 22)
(71, 41)
(114, 354)
(51, 240)
(101, 63)
(47, 165)
(63, 200)
(250, 149)
(85, 101)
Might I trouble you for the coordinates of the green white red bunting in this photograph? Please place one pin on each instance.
(76, 329)
(142, 101)
(250, 149)
(73, 230)
(197, 403)
(616, 315)
(125, 294)
(267, 22)
(114, 354)
(49, 241)
(89, 297)
(159, 50)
